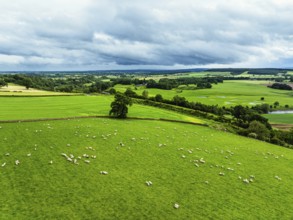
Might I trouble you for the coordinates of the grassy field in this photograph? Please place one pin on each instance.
(17, 90)
(13, 108)
(229, 93)
(280, 118)
(184, 163)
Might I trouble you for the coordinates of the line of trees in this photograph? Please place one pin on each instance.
(247, 121)
(281, 86)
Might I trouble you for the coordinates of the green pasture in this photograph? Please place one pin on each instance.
(280, 118)
(229, 93)
(199, 168)
(13, 108)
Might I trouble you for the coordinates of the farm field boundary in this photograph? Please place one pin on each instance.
(101, 116)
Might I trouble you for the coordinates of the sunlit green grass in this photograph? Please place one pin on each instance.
(280, 118)
(162, 152)
(13, 108)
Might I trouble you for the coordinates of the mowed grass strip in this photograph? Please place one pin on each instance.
(18, 90)
(182, 161)
(17, 108)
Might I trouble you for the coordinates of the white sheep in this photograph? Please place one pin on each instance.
(104, 172)
(149, 183)
(222, 174)
(246, 181)
(201, 160)
(29, 154)
(176, 206)
(17, 162)
(3, 165)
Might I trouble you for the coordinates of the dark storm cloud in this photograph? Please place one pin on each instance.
(64, 34)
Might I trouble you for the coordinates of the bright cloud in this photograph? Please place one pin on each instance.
(100, 34)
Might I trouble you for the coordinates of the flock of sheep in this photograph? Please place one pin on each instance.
(197, 161)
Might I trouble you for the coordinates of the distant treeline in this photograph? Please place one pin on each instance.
(260, 71)
(93, 84)
(246, 121)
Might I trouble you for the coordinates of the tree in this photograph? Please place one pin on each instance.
(3, 83)
(130, 93)
(159, 98)
(28, 83)
(276, 103)
(145, 94)
(259, 129)
(119, 107)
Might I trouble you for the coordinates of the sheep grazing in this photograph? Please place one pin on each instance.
(87, 161)
(29, 154)
(68, 145)
(238, 163)
(246, 181)
(50, 162)
(148, 183)
(222, 174)
(190, 151)
(176, 206)
(196, 165)
(7, 154)
(17, 162)
(104, 172)
(3, 165)
(69, 159)
(278, 178)
(201, 160)
(183, 156)
(94, 156)
(206, 182)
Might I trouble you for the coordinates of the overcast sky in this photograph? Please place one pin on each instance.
(133, 34)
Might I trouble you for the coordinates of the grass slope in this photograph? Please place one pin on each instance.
(13, 108)
(162, 152)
